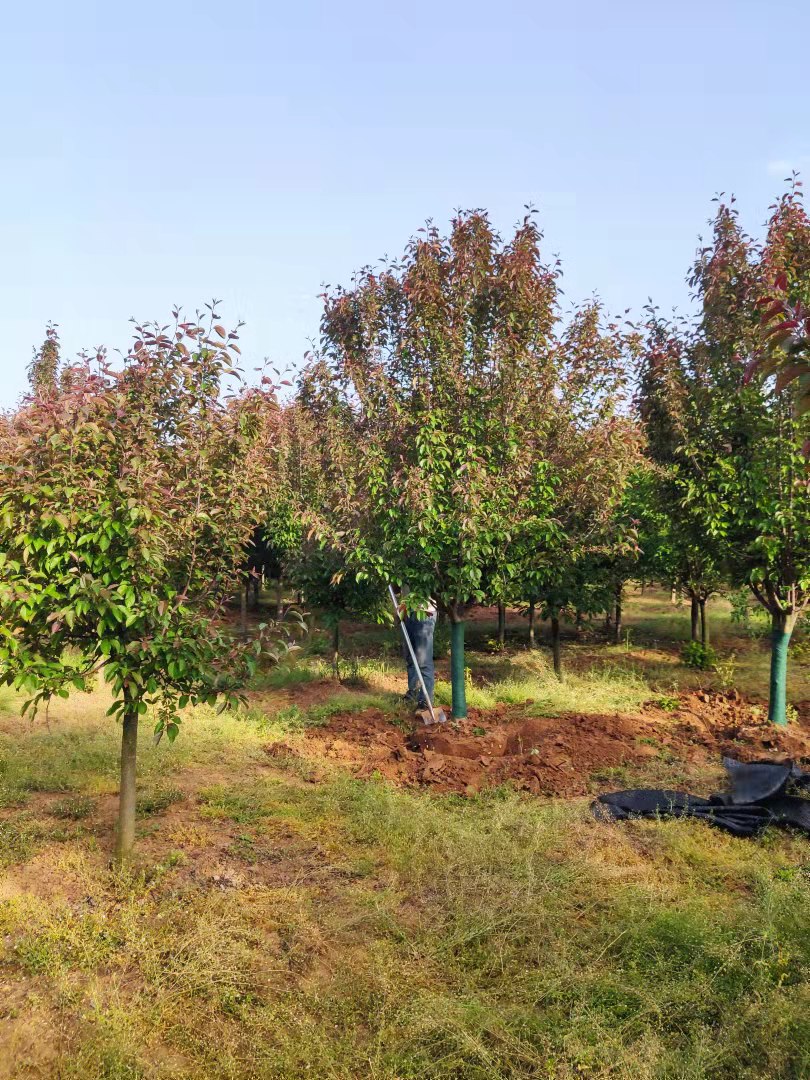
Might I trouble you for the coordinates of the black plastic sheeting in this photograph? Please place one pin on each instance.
(757, 797)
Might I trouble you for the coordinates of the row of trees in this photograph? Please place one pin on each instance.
(471, 441)
(458, 432)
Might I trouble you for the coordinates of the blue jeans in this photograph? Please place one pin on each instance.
(420, 631)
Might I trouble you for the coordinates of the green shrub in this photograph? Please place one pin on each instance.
(696, 655)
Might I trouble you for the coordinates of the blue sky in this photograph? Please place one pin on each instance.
(165, 153)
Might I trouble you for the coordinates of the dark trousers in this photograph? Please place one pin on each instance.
(420, 631)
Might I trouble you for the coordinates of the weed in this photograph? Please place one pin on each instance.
(74, 809)
(158, 800)
(726, 670)
(668, 704)
(19, 840)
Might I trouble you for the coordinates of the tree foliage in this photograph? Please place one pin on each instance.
(127, 496)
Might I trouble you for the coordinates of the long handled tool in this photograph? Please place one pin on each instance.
(436, 716)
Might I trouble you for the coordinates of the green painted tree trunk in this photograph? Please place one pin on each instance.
(125, 834)
(457, 669)
(781, 629)
(555, 646)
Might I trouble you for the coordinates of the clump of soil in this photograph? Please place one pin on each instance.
(555, 755)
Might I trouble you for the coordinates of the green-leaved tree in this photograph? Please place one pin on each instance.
(127, 495)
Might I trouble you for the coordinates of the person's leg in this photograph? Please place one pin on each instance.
(414, 690)
(421, 634)
(427, 668)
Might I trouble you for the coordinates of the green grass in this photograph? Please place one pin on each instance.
(604, 687)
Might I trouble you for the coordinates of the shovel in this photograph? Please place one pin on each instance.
(436, 715)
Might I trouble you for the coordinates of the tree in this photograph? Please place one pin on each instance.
(435, 378)
(43, 371)
(785, 309)
(327, 583)
(587, 448)
(748, 483)
(677, 550)
(127, 496)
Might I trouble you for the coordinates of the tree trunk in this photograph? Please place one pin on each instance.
(532, 641)
(501, 623)
(781, 629)
(555, 646)
(336, 648)
(617, 616)
(457, 668)
(608, 620)
(125, 835)
(243, 599)
(695, 618)
(279, 599)
(673, 595)
(704, 626)
(578, 623)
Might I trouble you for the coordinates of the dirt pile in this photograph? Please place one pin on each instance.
(554, 755)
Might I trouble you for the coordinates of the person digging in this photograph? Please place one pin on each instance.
(417, 628)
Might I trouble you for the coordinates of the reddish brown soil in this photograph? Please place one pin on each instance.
(557, 755)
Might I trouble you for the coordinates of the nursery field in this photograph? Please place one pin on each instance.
(319, 889)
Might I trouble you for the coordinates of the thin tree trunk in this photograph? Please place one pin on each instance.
(501, 623)
(532, 640)
(704, 626)
(336, 648)
(695, 618)
(243, 599)
(125, 835)
(578, 623)
(457, 667)
(673, 595)
(617, 617)
(781, 629)
(608, 620)
(555, 646)
(279, 598)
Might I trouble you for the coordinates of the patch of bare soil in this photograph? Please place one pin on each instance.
(555, 755)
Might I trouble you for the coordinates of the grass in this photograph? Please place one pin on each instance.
(599, 689)
(276, 927)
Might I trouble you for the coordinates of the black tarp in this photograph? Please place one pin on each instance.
(758, 795)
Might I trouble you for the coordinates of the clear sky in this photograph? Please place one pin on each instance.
(161, 153)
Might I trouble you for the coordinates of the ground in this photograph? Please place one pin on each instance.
(323, 889)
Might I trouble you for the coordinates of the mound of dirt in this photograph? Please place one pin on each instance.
(554, 755)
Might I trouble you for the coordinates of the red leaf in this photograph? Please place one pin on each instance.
(788, 324)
